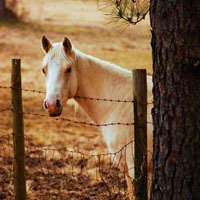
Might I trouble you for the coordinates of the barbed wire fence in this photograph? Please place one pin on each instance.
(63, 173)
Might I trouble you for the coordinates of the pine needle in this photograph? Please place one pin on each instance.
(126, 11)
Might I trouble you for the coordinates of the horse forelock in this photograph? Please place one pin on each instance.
(56, 53)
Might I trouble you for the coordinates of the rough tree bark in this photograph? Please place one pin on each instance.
(176, 114)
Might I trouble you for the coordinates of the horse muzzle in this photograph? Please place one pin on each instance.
(54, 109)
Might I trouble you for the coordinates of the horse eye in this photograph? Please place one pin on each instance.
(43, 70)
(69, 70)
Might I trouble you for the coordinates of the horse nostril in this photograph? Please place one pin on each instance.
(45, 105)
(58, 103)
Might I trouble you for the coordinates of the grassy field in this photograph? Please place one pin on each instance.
(89, 31)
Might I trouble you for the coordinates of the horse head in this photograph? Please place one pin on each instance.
(59, 68)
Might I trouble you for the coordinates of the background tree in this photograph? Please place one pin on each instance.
(2, 8)
(8, 9)
(176, 78)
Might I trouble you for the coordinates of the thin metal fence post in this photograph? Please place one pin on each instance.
(18, 132)
(140, 133)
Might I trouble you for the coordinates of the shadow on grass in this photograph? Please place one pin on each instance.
(60, 174)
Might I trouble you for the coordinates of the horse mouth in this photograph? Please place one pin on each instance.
(55, 114)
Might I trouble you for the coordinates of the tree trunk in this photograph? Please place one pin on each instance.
(176, 113)
(2, 8)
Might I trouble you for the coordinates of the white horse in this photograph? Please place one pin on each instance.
(70, 73)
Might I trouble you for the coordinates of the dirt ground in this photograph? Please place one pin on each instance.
(87, 28)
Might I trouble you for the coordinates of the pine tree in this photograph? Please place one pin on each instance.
(176, 113)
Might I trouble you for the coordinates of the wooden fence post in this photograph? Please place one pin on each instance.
(18, 132)
(140, 133)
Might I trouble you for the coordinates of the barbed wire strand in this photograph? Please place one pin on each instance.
(69, 120)
(77, 97)
(79, 122)
(73, 121)
(64, 149)
(5, 109)
(47, 148)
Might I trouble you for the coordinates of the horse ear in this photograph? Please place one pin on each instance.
(67, 45)
(46, 44)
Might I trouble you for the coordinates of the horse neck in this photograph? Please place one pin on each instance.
(100, 79)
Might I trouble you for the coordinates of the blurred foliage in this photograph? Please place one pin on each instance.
(127, 11)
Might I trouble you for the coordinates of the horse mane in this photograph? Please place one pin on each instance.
(118, 78)
(106, 65)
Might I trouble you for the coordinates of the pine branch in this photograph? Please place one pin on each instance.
(130, 11)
